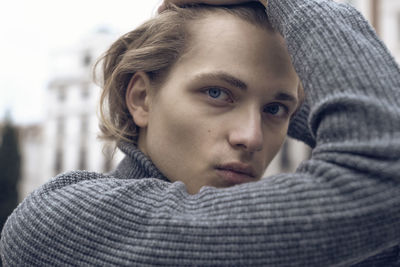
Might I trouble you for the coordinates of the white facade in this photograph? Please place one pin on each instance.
(71, 127)
(67, 138)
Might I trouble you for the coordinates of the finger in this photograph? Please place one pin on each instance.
(161, 8)
(208, 2)
(264, 3)
(165, 3)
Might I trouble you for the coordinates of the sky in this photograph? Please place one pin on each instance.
(32, 31)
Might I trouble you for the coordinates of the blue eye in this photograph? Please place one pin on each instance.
(218, 96)
(273, 109)
(276, 109)
(214, 92)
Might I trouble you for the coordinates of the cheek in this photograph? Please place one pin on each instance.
(174, 140)
(175, 125)
(167, 131)
(274, 141)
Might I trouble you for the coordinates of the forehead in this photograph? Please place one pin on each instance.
(224, 42)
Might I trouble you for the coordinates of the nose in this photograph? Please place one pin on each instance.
(247, 132)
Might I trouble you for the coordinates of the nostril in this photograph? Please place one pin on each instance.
(247, 132)
(250, 143)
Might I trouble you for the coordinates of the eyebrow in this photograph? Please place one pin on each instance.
(285, 97)
(223, 76)
(235, 82)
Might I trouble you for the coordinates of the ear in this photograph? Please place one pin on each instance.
(137, 98)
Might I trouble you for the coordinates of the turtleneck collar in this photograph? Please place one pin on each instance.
(136, 165)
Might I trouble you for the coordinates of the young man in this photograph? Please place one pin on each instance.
(201, 111)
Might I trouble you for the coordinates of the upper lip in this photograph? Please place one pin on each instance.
(238, 167)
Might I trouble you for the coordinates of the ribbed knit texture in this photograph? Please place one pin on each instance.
(340, 208)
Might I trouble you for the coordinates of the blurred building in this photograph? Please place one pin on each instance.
(67, 139)
(384, 16)
(71, 126)
(31, 146)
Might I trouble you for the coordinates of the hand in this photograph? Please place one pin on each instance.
(208, 2)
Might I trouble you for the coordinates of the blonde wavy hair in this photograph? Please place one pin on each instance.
(153, 48)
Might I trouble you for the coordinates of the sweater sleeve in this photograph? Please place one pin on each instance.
(340, 207)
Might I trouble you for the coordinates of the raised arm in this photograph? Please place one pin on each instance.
(165, 3)
(339, 208)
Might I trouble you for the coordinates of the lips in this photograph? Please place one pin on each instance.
(236, 173)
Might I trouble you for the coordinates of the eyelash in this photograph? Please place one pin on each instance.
(285, 109)
(230, 100)
(221, 91)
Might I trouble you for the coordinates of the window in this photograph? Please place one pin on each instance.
(84, 125)
(61, 93)
(82, 157)
(82, 163)
(87, 59)
(398, 28)
(59, 157)
(108, 156)
(85, 91)
(60, 127)
(58, 161)
(285, 159)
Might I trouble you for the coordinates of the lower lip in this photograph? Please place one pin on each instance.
(233, 178)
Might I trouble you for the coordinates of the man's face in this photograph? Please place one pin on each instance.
(223, 112)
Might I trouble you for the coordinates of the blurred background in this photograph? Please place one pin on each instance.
(48, 102)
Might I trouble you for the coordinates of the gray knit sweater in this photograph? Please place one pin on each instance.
(340, 208)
